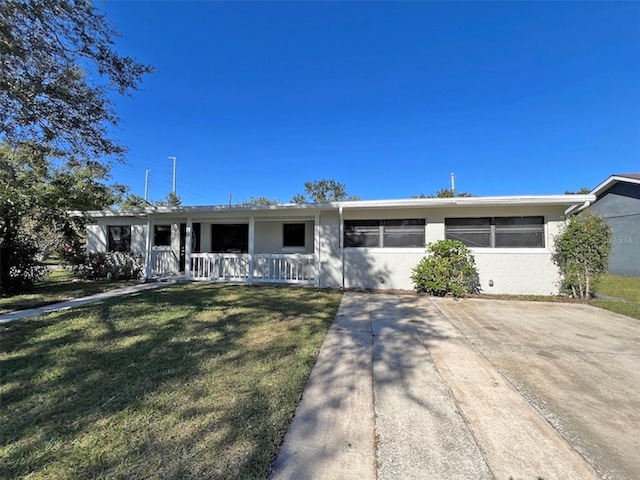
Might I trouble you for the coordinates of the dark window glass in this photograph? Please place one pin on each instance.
(120, 238)
(293, 234)
(162, 235)
(403, 233)
(230, 238)
(498, 232)
(473, 232)
(519, 232)
(384, 233)
(362, 233)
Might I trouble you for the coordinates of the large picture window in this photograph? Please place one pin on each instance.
(497, 232)
(119, 238)
(293, 235)
(230, 238)
(403, 233)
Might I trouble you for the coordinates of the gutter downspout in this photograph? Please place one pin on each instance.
(340, 213)
(582, 207)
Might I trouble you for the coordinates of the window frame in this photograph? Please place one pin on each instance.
(496, 228)
(381, 229)
(126, 241)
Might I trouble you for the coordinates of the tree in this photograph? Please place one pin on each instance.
(582, 191)
(444, 193)
(58, 71)
(133, 202)
(261, 201)
(581, 252)
(35, 196)
(58, 76)
(323, 191)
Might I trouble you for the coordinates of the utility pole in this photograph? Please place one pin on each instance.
(146, 186)
(174, 173)
(453, 184)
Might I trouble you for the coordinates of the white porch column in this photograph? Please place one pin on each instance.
(341, 214)
(316, 248)
(252, 235)
(187, 249)
(148, 271)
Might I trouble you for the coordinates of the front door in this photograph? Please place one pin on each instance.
(195, 241)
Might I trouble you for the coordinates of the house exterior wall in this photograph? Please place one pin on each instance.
(97, 234)
(501, 270)
(620, 207)
(510, 270)
(269, 239)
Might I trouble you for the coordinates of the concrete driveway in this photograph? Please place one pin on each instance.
(415, 388)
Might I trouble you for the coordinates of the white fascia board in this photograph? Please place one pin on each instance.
(612, 180)
(528, 200)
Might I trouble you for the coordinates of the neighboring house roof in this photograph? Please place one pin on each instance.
(525, 200)
(632, 178)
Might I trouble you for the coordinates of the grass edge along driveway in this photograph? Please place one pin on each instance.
(187, 381)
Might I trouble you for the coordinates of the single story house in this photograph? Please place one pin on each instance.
(618, 202)
(355, 244)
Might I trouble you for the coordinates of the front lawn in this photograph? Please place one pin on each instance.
(57, 287)
(627, 289)
(189, 381)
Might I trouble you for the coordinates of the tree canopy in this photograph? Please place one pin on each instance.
(59, 68)
(444, 193)
(58, 78)
(323, 191)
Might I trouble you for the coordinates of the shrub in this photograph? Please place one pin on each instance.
(450, 268)
(114, 265)
(20, 267)
(581, 252)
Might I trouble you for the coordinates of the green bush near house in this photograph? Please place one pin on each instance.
(448, 269)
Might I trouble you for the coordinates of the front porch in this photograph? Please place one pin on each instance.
(256, 250)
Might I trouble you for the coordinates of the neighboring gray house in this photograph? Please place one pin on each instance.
(618, 202)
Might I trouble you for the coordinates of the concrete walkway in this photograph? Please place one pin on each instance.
(399, 392)
(77, 302)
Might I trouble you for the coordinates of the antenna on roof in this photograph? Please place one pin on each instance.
(230, 197)
(453, 183)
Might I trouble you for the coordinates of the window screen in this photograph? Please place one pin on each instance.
(384, 233)
(497, 232)
(230, 238)
(293, 234)
(162, 235)
(120, 238)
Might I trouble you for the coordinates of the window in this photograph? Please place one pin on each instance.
(120, 238)
(162, 235)
(497, 232)
(384, 233)
(293, 234)
(230, 238)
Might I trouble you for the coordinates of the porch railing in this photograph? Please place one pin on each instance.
(164, 262)
(272, 268)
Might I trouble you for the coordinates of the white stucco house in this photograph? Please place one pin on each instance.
(356, 244)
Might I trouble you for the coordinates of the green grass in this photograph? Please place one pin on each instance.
(627, 289)
(189, 381)
(57, 287)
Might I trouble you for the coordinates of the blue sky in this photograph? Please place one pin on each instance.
(388, 98)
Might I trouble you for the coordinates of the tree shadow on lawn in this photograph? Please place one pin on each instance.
(64, 373)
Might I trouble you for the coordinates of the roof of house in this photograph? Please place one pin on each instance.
(632, 178)
(523, 200)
